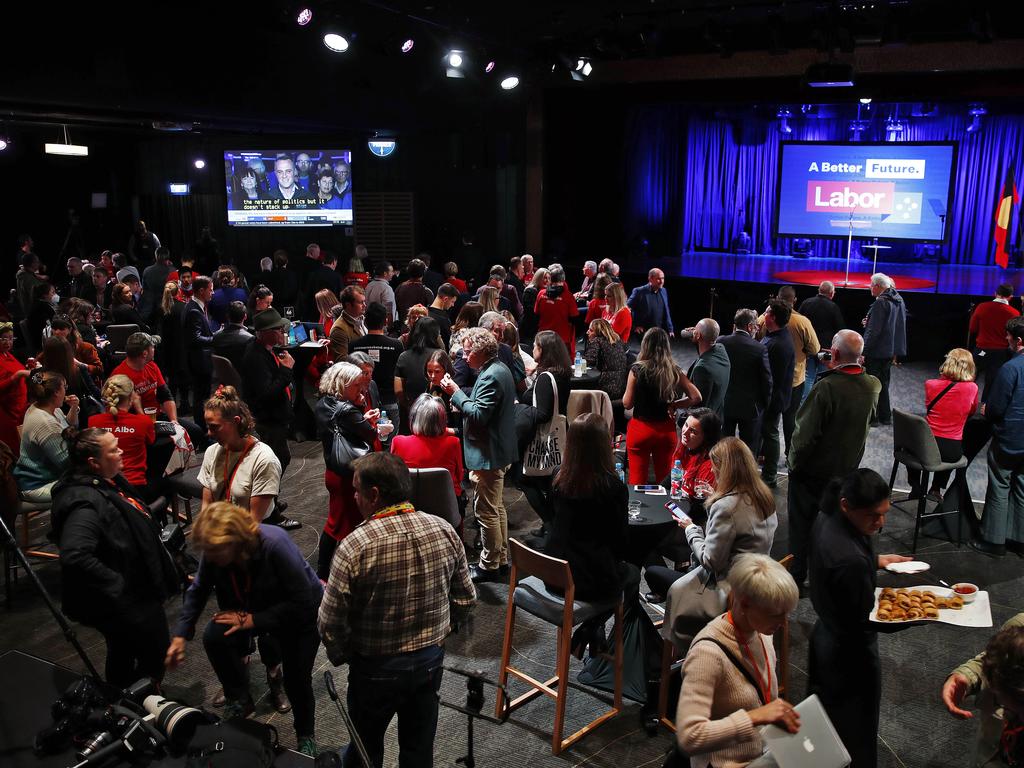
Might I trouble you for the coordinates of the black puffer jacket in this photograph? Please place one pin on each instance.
(111, 556)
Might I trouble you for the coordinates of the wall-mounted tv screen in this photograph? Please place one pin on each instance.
(290, 188)
(895, 190)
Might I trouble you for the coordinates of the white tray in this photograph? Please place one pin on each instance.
(974, 614)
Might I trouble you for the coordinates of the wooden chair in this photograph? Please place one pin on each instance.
(531, 595)
(671, 662)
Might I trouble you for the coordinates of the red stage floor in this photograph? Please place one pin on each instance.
(857, 279)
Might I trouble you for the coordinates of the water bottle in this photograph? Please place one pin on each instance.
(577, 365)
(677, 480)
(619, 472)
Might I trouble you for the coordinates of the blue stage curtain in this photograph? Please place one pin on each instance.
(695, 180)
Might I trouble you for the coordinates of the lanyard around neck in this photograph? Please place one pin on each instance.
(764, 683)
(229, 478)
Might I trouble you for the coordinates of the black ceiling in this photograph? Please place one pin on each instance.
(232, 64)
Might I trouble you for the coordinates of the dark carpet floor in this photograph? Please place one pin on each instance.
(915, 729)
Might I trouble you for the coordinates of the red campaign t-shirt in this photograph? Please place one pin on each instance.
(134, 432)
(146, 382)
(420, 452)
(949, 415)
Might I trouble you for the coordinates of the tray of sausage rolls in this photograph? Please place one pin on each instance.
(925, 604)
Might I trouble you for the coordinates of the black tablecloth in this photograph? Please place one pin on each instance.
(588, 380)
(654, 525)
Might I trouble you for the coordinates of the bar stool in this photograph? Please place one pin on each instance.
(533, 596)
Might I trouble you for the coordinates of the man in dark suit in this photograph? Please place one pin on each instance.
(232, 340)
(750, 380)
(324, 275)
(431, 277)
(782, 359)
(827, 319)
(197, 338)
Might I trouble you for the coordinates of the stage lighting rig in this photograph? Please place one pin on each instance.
(304, 16)
(453, 61)
(976, 111)
(783, 115)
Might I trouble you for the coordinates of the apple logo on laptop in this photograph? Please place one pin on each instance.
(808, 744)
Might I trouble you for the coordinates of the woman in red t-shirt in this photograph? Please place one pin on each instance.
(949, 400)
(596, 306)
(617, 313)
(134, 431)
(357, 274)
(701, 430)
(451, 270)
(13, 397)
(431, 444)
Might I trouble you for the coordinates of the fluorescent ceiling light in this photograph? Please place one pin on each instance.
(77, 150)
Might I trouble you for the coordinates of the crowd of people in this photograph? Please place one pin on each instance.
(425, 370)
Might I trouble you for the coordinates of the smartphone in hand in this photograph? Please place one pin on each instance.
(678, 513)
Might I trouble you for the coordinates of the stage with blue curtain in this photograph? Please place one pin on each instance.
(698, 177)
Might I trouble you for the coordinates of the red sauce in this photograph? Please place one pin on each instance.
(965, 590)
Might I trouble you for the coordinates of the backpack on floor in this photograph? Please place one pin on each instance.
(234, 743)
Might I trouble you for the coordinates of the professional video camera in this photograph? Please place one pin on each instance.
(108, 723)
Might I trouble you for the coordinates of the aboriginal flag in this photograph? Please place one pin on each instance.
(1007, 200)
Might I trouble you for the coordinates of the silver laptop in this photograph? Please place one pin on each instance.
(815, 745)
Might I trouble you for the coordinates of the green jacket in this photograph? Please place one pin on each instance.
(832, 424)
(488, 413)
(990, 724)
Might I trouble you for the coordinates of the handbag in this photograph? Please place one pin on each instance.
(544, 453)
(692, 602)
(232, 744)
(343, 452)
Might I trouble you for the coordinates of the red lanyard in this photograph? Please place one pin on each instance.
(243, 598)
(765, 685)
(288, 389)
(230, 479)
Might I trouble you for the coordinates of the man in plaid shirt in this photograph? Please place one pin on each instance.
(399, 584)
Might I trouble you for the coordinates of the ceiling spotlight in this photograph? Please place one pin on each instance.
(584, 67)
(976, 111)
(454, 59)
(489, 67)
(200, 163)
(510, 82)
(304, 16)
(587, 69)
(4, 143)
(408, 45)
(865, 101)
(783, 116)
(335, 42)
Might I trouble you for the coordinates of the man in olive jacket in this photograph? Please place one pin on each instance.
(831, 430)
(490, 446)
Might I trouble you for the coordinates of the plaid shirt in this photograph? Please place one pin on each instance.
(397, 585)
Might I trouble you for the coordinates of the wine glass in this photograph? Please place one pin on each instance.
(633, 508)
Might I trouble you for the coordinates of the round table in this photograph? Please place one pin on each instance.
(653, 525)
(588, 380)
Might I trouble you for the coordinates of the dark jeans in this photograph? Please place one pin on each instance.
(659, 578)
(297, 646)
(405, 685)
(275, 435)
(201, 385)
(880, 368)
(803, 503)
(770, 447)
(789, 415)
(325, 554)
(136, 648)
(988, 362)
(537, 491)
(749, 431)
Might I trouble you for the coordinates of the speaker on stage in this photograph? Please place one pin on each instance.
(802, 248)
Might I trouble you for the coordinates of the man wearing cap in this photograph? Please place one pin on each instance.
(267, 387)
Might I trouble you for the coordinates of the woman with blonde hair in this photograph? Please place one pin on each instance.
(415, 314)
(326, 301)
(949, 401)
(651, 388)
(357, 274)
(606, 353)
(135, 432)
(616, 311)
(719, 714)
(489, 298)
(596, 306)
(741, 518)
(263, 583)
(342, 413)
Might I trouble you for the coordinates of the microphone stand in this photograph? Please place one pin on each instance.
(849, 248)
(69, 632)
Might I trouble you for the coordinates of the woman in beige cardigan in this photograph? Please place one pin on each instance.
(730, 686)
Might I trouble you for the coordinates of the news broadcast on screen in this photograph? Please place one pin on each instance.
(896, 191)
(306, 188)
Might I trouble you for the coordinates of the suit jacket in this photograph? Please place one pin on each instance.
(750, 376)
(232, 341)
(489, 423)
(197, 339)
(782, 359)
(710, 374)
